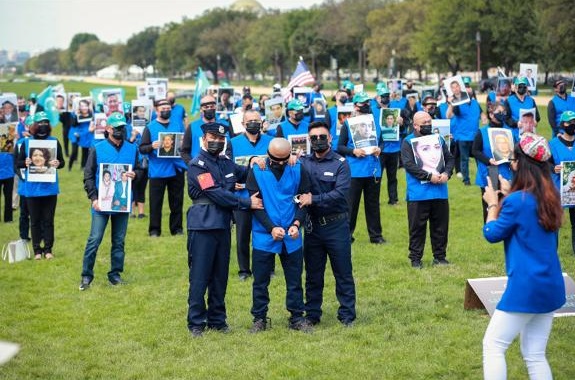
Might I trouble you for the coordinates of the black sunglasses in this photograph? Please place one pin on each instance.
(318, 137)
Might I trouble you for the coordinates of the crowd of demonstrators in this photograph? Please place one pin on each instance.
(303, 208)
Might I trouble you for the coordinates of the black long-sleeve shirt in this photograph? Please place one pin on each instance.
(261, 215)
(92, 167)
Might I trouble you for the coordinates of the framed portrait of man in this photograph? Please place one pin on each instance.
(456, 93)
(343, 113)
(225, 100)
(114, 188)
(389, 125)
(363, 132)
(141, 113)
(9, 108)
(442, 127)
(275, 111)
(170, 144)
(527, 121)
(112, 100)
(501, 141)
(529, 71)
(61, 100)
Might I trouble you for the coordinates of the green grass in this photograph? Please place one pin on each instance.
(411, 324)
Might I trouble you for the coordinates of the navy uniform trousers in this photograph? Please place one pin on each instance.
(333, 240)
(202, 260)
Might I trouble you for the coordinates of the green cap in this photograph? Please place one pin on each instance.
(466, 80)
(521, 80)
(295, 104)
(347, 85)
(567, 116)
(116, 120)
(29, 120)
(40, 116)
(382, 90)
(360, 97)
(32, 96)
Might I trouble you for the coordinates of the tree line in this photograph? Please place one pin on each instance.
(433, 36)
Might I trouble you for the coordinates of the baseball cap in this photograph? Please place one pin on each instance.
(295, 104)
(360, 97)
(382, 89)
(567, 116)
(41, 116)
(116, 120)
(521, 80)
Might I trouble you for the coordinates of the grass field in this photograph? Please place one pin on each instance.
(411, 324)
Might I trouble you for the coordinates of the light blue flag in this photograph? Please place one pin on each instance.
(202, 85)
(46, 100)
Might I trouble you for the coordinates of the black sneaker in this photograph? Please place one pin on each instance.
(347, 323)
(117, 280)
(244, 276)
(154, 234)
(85, 283)
(197, 332)
(379, 240)
(178, 233)
(417, 264)
(224, 329)
(440, 262)
(302, 325)
(260, 325)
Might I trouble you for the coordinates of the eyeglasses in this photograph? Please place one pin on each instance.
(318, 137)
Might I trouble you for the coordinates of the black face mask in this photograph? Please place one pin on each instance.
(431, 110)
(522, 90)
(249, 107)
(43, 130)
(562, 89)
(119, 133)
(22, 108)
(364, 109)
(319, 146)
(343, 99)
(384, 100)
(215, 147)
(165, 114)
(210, 114)
(298, 116)
(425, 129)
(172, 101)
(500, 117)
(570, 129)
(253, 127)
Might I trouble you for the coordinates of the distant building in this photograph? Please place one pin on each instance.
(252, 6)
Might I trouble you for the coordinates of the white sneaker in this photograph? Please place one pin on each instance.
(459, 175)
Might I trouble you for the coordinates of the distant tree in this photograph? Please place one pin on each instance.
(78, 40)
(140, 49)
(94, 55)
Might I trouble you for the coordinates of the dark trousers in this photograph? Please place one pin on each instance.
(370, 188)
(7, 185)
(464, 153)
(42, 211)
(65, 139)
(74, 156)
(330, 240)
(389, 164)
(572, 220)
(454, 150)
(139, 185)
(418, 213)
(262, 265)
(24, 221)
(208, 262)
(175, 186)
(243, 234)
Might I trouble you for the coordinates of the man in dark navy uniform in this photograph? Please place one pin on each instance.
(211, 181)
(327, 233)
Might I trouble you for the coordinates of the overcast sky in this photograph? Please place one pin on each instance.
(38, 25)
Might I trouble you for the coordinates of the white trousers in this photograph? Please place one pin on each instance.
(534, 330)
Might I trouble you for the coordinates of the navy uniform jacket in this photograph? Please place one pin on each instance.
(330, 179)
(211, 183)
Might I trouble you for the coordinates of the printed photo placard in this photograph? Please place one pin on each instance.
(7, 137)
(319, 108)
(363, 132)
(529, 71)
(100, 123)
(275, 112)
(170, 144)
(456, 93)
(442, 127)
(343, 113)
(114, 188)
(389, 124)
(501, 141)
(141, 113)
(568, 183)
(428, 153)
(71, 98)
(9, 108)
(42, 153)
(83, 108)
(300, 143)
(527, 120)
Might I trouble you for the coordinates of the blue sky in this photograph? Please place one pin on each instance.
(38, 25)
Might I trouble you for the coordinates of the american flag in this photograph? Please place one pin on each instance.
(300, 77)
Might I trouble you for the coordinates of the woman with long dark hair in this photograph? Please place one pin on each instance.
(527, 220)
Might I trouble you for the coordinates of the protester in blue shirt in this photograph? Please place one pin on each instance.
(560, 103)
(527, 221)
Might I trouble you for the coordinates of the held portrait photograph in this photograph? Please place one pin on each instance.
(61, 101)
(8, 108)
(7, 137)
(71, 98)
(300, 143)
(442, 127)
(114, 188)
(428, 153)
(274, 111)
(100, 123)
(456, 93)
(529, 72)
(343, 113)
(362, 129)
(141, 114)
(42, 153)
(83, 109)
(568, 183)
(112, 100)
(389, 125)
(303, 94)
(319, 108)
(170, 144)
(501, 141)
(527, 122)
